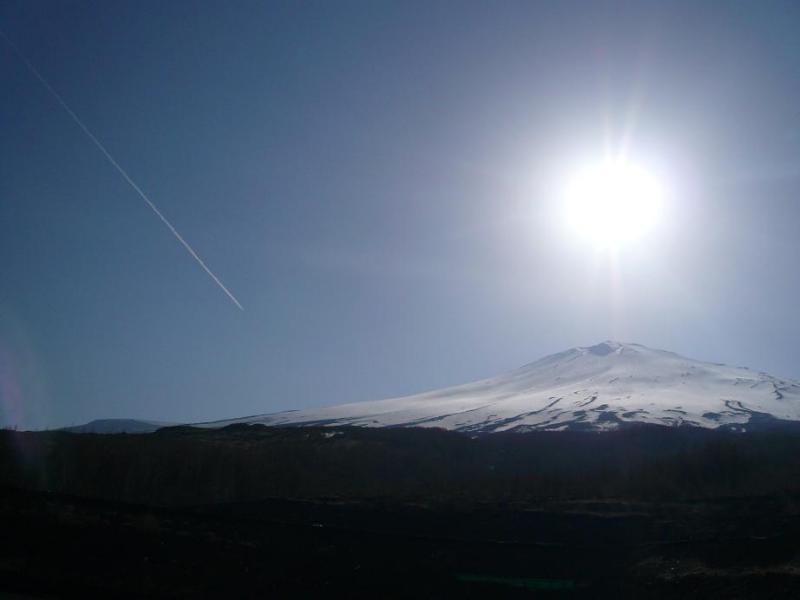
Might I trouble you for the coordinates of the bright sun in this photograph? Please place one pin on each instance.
(613, 203)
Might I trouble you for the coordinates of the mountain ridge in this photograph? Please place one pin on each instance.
(602, 387)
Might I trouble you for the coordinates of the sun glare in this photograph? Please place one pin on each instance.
(612, 203)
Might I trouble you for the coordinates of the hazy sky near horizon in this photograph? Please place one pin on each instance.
(377, 183)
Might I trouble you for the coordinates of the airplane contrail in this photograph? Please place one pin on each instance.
(117, 166)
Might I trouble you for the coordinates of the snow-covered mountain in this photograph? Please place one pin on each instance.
(595, 388)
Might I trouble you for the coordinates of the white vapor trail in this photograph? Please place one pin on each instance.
(117, 166)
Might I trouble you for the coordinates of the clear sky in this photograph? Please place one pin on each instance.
(377, 182)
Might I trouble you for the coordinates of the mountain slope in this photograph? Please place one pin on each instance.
(599, 387)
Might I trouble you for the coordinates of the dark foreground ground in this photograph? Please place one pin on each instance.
(420, 537)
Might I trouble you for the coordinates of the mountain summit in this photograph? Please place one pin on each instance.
(600, 387)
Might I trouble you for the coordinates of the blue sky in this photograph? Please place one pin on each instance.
(376, 183)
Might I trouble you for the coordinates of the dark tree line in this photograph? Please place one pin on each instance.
(185, 466)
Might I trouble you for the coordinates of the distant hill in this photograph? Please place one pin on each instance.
(117, 426)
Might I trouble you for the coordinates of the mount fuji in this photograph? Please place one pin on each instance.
(602, 387)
